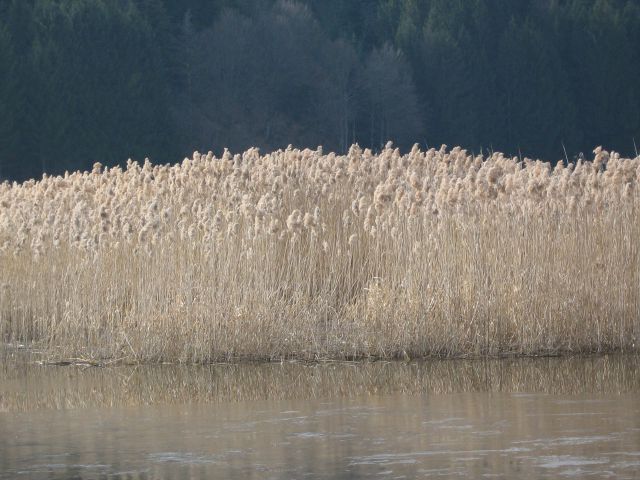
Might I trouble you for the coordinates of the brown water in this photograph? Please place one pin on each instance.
(535, 418)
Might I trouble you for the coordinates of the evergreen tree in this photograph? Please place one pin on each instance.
(87, 80)
(101, 87)
(536, 102)
(8, 127)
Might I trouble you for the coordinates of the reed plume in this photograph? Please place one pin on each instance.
(301, 254)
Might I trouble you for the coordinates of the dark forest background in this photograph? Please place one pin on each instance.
(106, 80)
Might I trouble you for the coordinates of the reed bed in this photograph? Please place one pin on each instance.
(300, 254)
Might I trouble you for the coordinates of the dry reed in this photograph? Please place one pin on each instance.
(300, 254)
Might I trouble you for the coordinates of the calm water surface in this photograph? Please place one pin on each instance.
(535, 418)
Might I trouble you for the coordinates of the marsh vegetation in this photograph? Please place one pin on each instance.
(301, 254)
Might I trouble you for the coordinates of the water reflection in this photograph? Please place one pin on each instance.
(466, 435)
(533, 418)
(26, 386)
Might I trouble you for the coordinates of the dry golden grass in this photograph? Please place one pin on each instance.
(306, 255)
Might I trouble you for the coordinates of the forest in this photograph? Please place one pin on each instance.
(83, 81)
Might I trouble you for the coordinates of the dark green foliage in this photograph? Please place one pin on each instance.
(90, 86)
(8, 88)
(105, 80)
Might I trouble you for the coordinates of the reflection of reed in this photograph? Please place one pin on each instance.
(25, 386)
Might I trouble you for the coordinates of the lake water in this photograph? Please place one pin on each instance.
(530, 419)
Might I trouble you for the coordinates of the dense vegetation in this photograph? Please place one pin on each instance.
(105, 80)
(306, 255)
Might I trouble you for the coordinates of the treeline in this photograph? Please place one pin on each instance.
(106, 80)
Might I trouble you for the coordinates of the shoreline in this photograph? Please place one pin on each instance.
(51, 359)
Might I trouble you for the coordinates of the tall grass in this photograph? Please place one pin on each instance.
(306, 255)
